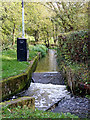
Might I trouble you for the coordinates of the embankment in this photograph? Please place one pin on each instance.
(13, 85)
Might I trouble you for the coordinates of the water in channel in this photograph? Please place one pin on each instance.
(48, 63)
(48, 88)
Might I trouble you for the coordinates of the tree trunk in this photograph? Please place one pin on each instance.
(45, 42)
(13, 43)
(48, 40)
(56, 36)
(36, 36)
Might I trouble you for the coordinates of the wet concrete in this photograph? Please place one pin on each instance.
(75, 105)
(49, 77)
(46, 94)
(48, 88)
(68, 102)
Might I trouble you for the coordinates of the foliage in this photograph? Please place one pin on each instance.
(18, 112)
(42, 21)
(11, 22)
(37, 22)
(32, 53)
(87, 96)
(10, 65)
(43, 47)
(70, 16)
(81, 71)
(73, 46)
(40, 48)
(73, 52)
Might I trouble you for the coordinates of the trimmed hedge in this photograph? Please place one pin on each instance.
(73, 46)
(72, 56)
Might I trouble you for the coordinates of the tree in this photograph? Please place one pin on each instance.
(68, 15)
(11, 19)
(37, 21)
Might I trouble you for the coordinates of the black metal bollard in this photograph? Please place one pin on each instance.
(21, 49)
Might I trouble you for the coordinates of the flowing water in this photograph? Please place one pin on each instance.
(46, 94)
(48, 63)
(48, 88)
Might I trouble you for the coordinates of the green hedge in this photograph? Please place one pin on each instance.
(72, 55)
(73, 46)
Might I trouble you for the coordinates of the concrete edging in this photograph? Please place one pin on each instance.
(53, 105)
(15, 84)
(23, 101)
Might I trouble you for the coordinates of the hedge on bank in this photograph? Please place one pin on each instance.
(73, 46)
(73, 59)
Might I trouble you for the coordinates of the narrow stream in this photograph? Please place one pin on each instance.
(48, 88)
(48, 63)
(46, 94)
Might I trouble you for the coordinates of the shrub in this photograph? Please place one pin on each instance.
(39, 48)
(73, 52)
(73, 46)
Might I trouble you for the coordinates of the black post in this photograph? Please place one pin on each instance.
(21, 49)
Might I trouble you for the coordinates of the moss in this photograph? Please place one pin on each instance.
(16, 84)
(28, 101)
(70, 78)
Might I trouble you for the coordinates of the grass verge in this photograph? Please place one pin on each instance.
(18, 112)
(10, 65)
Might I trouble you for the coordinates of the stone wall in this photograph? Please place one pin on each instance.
(15, 84)
(72, 80)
